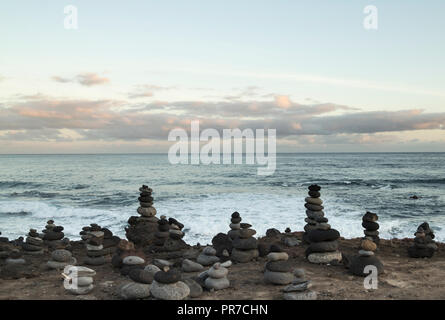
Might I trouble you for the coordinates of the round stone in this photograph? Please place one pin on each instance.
(195, 288)
(247, 233)
(314, 214)
(359, 263)
(217, 272)
(61, 255)
(152, 269)
(191, 266)
(236, 220)
(235, 215)
(133, 260)
(176, 234)
(141, 276)
(206, 260)
(209, 251)
(280, 266)
(126, 269)
(316, 201)
(171, 276)
(245, 225)
(309, 227)
(133, 291)
(233, 234)
(95, 261)
(84, 281)
(244, 255)
(245, 244)
(368, 245)
(280, 278)
(235, 226)
(313, 207)
(314, 194)
(370, 226)
(324, 257)
(366, 253)
(51, 236)
(277, 256)
(314, 187)
(371, 217)
(323, 226)
(217, 283)
(323, 235)
(173, 291)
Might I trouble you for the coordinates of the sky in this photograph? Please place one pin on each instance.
(132, 71)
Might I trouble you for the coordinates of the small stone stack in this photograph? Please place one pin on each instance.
(15, 258)
(83, 277)
(278, 270)
(175, 230)
(167, 285)
(424, 245)
(4, 249)
(163, 232)
(60, 259)
(371, 227)
(365, 258)
(54, 237)
(234, 226)
(141, 230)
(127, 258)
(34, 244)
(314, 210)
(207, 257)
(217, 277)
(245, 247)
(299, 288)
(96, 255)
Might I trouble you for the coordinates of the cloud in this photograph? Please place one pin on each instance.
(86, 79)
(46, 118)
(146, 91)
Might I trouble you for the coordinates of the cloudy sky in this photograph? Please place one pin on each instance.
(135, 70)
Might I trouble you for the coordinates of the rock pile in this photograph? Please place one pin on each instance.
(245, 246)
(15, 258)
(33, 244)
(217, 277)
(323, 241)
(80, 280)
(54, 237)
(368, 246)
(163, 232)
(60, 259)
(314, 210)
(424, 245)
(191, 266)
(96, 253)
(278, 270)
(207, 257)
(167, 285)
(4, 248)
(299, 288)
(371, 227)
(235, 225)
(109, 241)
(141, 230)
(127, 258)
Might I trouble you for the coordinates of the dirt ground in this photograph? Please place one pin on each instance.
(404, 277)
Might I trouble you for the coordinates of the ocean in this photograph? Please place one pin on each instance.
(76, 190)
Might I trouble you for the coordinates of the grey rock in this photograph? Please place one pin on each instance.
(195, 288)
(173, 291)
(306, 295)
(217, 284)
(278, 277)
(298, 287)
(324, 257)
(133, 291)
(244, 255)
(191, 266)
(61, 255)
(81, 290)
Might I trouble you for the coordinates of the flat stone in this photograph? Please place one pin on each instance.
(314, 194)
(314, 214)
(35, 241)
(277, 256)
(152, 269)
(133, 260)
(161, 263)
(310, 227)
(371, 233)
(235, 226)
(236, 220)
(191, 266)
(134, 291)
(60, 265)
(81, 290)
(61, 255)
(324, 257)
(273, 232)
(370, 226)
(95, 261)
(141, 276)
(323, 246)
(226, 264)
(195, 288)
(358, 264)
(323, 226)
(207, 260)
(244, 255)
(50, 235)
(306, 295)
(217, 284)
(310, 221)
(365, 253)
(313, 207)
(209, 251)
(19, 261)
(245, 244)
(316, 201)
(172, 291)
(126, 269)
(298, 287)
(80, 271)
(247, 233)
(94, 248)
(30, 247)
(280, 266)
(280, 278)
(323, 235)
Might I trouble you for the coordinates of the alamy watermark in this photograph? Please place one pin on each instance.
(70, 22)
(371, 280)
(210, 153)
(371, 20)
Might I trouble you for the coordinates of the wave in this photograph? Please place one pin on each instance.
(14, 184)
(34, 193)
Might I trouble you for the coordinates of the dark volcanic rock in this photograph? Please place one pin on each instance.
(323, 235)
(357, 265)
(222, 242)
(370, 226)
(171, 276)
(273, 232)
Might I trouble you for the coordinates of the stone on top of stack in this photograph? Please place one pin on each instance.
(33, 244)
(141, 230)
(245, 246)
(314, 210)
(278, 270)
(424, 245)
(168, 285)
(60, 259)
(371, 227)
(96, 254)
(127, 258)
(54, 237)
(299, 288)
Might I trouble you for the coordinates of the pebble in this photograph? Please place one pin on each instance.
(280, 278)
(277, 256)
(302, 286)
(61, 255)
(324, 257)
(133, 291)
(191, 266)
(217, 284)
(172, 291)
(133, 260)
(307, 295)
(195, 288)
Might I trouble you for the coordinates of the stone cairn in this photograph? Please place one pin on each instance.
(314, 210)
(54, 237)
(368, 246)
(217, 277)
(278, 270)
(167, 285)
(163, 232)
(84, 280)
(245, 246)
(299, 288)
(235, 226)
(371, 227)
(60, 259)
(96, 254)
(141, 229)
(323, 241)
(15, 258)
(33, 244)
(424, 245)
(4, 249)
(127, 258)
(207, 257)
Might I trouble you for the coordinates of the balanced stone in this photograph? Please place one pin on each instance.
(191, 266)
(195, 288)
(133, 260)
(141, 276)
(173, 291)
(279, 278)
(167, 277)
(324, 257)
(207, 257)
(134, 291)
(217, 278)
